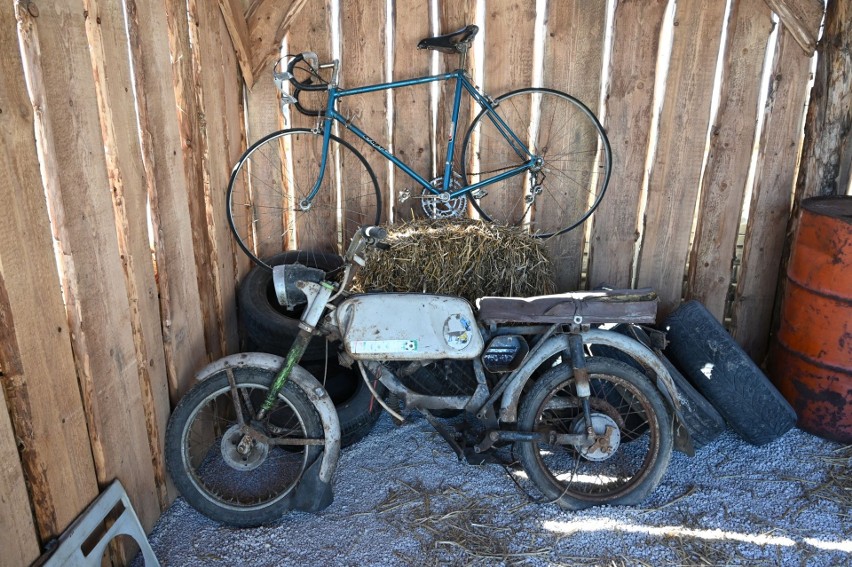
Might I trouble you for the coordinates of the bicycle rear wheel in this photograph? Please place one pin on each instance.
(560, 192)
(267, 211)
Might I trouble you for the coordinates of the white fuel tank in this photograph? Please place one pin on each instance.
(408, 326)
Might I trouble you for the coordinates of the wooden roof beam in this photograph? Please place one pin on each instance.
(268, 22)
(801, 18)
(238, 30)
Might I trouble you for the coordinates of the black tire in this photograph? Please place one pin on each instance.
(718, 368)
(634, 469)
(269, 327)
(224, 486)
(277, 172)
(697, 414)
(575, 160)
(357, 409)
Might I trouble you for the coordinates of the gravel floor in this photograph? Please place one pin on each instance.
(402, 498)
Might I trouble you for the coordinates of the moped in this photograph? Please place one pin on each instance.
(258, 435)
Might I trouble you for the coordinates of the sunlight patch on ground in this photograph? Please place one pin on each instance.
(593, 525)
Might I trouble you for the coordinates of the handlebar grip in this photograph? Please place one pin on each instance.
(304, 86)
(375, 232)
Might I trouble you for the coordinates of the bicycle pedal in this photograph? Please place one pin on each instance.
(404, 195)
(478, 193)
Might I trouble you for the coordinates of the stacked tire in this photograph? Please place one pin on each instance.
(266, 326)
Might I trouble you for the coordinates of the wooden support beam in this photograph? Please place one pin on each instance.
(238, 29)
(801, 18)
(827, 149)
(267, 24)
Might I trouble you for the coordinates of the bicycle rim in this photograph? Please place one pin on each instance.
(575, 168)
(267, 211)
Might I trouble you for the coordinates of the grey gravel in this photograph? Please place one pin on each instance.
(402, 498)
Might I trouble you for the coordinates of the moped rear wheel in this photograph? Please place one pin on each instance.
(639, 445)
(247, 488)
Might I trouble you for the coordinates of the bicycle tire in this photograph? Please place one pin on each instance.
(575, 480)
(240, 490)
(576, 166)
(276, 174)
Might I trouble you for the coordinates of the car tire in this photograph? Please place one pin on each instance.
(722, 371)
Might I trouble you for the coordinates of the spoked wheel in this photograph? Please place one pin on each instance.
(231, 477)
(571, 153)
(268, 207)
(631, 455)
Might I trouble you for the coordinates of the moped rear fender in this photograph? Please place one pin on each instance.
(314, 491)
(559, 344)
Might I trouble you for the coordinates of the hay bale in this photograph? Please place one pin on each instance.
(462, 257)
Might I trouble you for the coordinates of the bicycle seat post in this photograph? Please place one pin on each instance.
(462, 49)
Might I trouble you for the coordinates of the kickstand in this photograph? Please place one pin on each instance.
(448, 435)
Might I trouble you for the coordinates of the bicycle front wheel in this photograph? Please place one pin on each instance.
(568, 145)
(269, 209)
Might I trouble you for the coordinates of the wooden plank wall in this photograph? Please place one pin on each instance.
(120, 116)
(114, 118)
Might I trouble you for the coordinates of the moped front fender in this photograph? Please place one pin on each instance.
(314, 491)
(559, 344)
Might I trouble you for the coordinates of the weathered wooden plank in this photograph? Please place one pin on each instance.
(93, 279)
(39, 378)
(412, 112)
(362, 57)
(264, 117)
(235, 144)
(17, 530)
(113, 84)
(573, 63)
(268, 22)
(674, 176)
(802, 18)
(454, 16)
(210, 65)
(177, 278)
(317, 231)
(827, 149)
(235, 21)
(726, 173)
(629, 108)
(771, 196)
(509, 33)
(192, 144)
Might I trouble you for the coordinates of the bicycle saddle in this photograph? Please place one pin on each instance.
(449, 43)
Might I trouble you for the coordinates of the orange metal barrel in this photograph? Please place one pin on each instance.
(811, 356)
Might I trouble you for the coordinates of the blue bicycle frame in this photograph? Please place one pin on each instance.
(462, 82)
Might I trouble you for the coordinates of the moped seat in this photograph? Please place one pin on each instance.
(581, 307)
(449, 43)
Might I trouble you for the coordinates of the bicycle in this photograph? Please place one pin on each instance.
(291, 186)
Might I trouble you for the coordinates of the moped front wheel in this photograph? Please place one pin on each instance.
(629, 462)
(230, 477)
